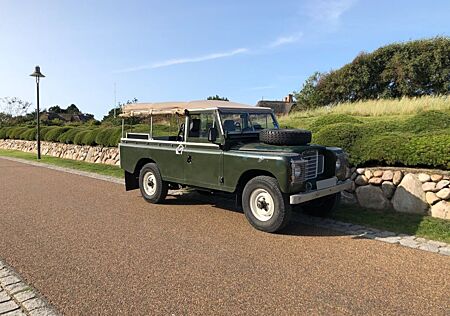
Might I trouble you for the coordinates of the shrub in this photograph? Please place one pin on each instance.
(29, 134)
(3, 132)
(45, 130)
(16, 131)
(53, 134)
(114, 137)
(78, 139)
(333, 119)
(89, 138)
(68, 136)
(342, 135)
(386, 149)
(103, 135)
(427, 121)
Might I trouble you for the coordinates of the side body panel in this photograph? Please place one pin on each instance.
(236, 163)
(203, 166)
(162, 153)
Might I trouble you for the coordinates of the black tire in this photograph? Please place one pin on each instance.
(285, 136)
(281, 211)
(155, 192)
(322, 206)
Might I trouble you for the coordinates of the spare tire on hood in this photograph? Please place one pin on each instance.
(285, 136)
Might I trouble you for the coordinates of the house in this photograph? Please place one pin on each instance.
(279, 107)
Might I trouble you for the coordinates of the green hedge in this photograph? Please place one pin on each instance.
(55, 133)
(418, 141)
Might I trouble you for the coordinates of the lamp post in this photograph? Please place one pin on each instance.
(37, 74)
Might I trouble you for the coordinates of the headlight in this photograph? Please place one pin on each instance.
(338, 164)
(297, 171)
(341, 166)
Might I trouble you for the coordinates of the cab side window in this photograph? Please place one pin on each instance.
(199, 125)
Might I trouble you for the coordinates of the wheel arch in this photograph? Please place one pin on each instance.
(132, 178)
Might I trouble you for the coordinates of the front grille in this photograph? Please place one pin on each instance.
(314, 164)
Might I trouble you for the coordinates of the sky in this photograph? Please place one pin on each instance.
(96, 52)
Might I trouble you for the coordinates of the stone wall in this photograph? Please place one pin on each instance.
(400, 189)
(405, 190)
(106, 155)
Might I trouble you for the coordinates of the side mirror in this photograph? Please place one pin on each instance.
(212, 134)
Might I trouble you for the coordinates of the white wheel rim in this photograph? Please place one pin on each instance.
(262, 205)
(149, 182)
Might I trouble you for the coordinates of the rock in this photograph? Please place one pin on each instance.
(361, 180)
(428, 186)
(441, 210)
(388, 189)
(444, 194)
(360, 170)
(423, 177)
(432, 198)
(409, 196)
(378, 173)
(370, 196)
(348, 198)
(388, 175)
(442, 184)
(375, 181)
(436, 177)
(368, 174)
(354, 175)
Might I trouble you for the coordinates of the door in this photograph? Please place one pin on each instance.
(203, 160)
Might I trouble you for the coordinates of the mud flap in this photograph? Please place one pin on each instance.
(131, 181)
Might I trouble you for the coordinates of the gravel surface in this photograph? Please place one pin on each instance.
(91, 248)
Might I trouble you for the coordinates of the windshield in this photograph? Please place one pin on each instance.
(238, 123)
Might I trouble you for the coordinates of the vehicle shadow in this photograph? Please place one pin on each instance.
(297, 227)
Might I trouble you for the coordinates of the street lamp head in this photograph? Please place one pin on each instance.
(37, 73)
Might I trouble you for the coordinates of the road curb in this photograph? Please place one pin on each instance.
(358, 231)
(18, 298)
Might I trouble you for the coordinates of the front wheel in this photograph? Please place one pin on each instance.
(322, 206)
(265, 206)
(151, 184)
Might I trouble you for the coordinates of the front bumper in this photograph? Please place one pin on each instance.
(311, 195)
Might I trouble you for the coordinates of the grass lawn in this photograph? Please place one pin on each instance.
(423, 226)
(410, 224)
(107, 170)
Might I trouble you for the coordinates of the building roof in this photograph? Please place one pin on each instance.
(279, 107)
(144, 109)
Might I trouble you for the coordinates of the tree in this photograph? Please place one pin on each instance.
(55, 109)
(410, 69)
(216, 97)
(113, 114)
(309, 96)
(72, 109)
(14, 106)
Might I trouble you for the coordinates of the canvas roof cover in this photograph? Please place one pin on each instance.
(143, 109)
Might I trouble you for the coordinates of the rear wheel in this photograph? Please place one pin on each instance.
(322, 206)
(151, 184)
(265, 206)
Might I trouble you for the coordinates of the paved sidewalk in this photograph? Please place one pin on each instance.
(17, 298)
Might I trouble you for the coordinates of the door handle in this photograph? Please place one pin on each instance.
(189, 159)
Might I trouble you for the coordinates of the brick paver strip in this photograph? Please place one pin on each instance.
(17, 298)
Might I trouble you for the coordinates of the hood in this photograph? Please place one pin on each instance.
(262, 147)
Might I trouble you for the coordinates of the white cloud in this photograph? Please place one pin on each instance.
(283, 40)
(179, 61)
(329, 11)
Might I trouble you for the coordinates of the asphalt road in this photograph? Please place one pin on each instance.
(91, 248)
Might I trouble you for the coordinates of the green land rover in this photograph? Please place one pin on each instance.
(234, 148)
